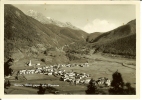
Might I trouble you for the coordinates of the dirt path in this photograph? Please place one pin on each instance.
(128, 66)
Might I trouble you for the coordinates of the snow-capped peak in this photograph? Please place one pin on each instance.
(31, 12)
(48, 17)
(48, 20)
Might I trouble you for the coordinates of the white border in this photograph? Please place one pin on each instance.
(137, 3)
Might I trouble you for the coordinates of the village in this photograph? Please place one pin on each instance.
(67, 76)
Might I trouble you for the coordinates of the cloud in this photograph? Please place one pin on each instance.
(99, 25)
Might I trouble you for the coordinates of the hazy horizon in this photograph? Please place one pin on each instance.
(90, 18)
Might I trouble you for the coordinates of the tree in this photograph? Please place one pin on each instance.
(16, 77)
(117, 84)
(43, 60)
(8, 83)
(129, 90)
(91, 87)
(5, 85)
(7, 69)
(41, 90)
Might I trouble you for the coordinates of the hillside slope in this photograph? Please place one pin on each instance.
(121, 40)
(122, 46)
(122, 31)
(91, 37)
(23, 35)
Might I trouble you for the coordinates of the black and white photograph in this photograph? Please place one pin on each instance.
(70, 49)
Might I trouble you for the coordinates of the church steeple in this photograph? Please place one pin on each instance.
(30, 63)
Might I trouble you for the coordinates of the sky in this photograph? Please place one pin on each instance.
(88, 17)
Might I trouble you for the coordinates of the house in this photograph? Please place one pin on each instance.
(108, 82)
(63, 65)
(52, 66)
(73, 80)
(68, 65)
(103, 81)
(71, 74)
(64, 79)
(38, 64)
(46, 67)
(87, 80)
(27, 72)
(49, 74)
(55, 73)
(39, 68)
(82, 81)
(77, 81)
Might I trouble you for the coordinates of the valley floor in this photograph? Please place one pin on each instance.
(99, 66)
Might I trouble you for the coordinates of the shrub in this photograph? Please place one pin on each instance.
(118, 86)
(91, 88)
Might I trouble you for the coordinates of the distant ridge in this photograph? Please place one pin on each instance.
(91, 37)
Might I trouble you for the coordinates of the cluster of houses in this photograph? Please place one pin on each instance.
(84, 78)
(62, 65)
(42, 70)
(72, 77)
(103, 81)
(49, 70)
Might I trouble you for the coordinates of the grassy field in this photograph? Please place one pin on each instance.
(22, 64)
(64, 87)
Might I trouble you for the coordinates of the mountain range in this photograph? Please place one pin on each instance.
(30, 34)
(47, 20)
